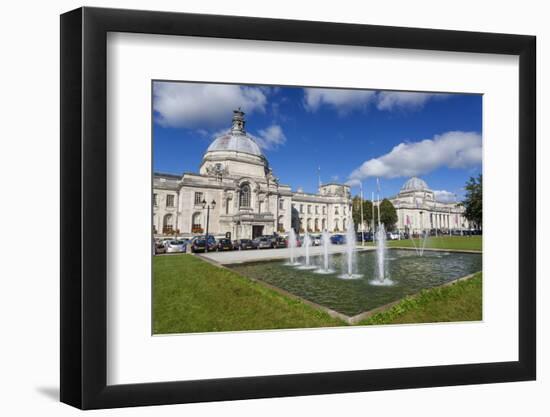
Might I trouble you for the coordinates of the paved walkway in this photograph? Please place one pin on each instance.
(252, 255)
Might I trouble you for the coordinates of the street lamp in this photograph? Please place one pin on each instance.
(207, 206)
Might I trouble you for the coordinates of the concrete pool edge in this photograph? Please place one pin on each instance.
(251, 256)
(350, 320)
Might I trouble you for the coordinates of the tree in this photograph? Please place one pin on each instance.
(388, 214)
(473, 201)
(356, 212)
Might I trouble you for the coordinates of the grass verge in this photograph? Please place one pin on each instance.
(460, 301)
(191, 295)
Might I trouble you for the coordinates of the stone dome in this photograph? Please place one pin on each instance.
(236, 139)
(415, 184)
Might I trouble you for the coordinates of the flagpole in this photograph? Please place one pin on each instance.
(362, 224)
(372, 200)
(378, 197)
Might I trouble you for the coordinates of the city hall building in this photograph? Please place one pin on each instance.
(237, 191)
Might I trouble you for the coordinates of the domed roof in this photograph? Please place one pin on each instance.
(235, 142)
(414, 184)
(236, 138)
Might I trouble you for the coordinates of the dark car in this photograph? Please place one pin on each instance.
(337, 239)
(243, 244)
(198, 244)
(367, 237)
(279, 242)
(224, 244)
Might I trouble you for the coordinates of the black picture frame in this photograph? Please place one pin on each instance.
(84, 207)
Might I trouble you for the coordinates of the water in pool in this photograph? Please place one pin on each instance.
(408, 273)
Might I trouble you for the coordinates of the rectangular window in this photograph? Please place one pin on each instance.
(324, 209)
(281, 204)
(316, 209)
(155, 201)
(170, 200)
(308, 209)
(336, 210)
(301, 208)
(198, 198)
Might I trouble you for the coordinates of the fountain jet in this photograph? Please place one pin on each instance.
(325, 241)
(292, 248)
(419, 249)
(307, 259)
(349, 261)
(381, 278)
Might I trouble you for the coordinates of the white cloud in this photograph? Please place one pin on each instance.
(444, 196)
(204, 106)
(344, 101)
(394, 100)
(451, 149)
(270, 137)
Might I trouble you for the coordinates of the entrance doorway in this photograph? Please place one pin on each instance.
(257, 231)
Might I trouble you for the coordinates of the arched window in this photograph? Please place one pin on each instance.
(324, 222)
(280, 226)
(167, 225)
(316, 225)
(344, 224)
(244, 196)
(336, 225)
(196, 223)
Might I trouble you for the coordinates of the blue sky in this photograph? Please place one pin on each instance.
(352, 135)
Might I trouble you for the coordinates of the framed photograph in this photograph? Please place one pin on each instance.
(257, 208)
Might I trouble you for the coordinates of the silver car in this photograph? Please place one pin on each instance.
(263, 243)
(315, 240)
(175, 246)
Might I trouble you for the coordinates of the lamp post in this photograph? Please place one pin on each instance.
(207, 206)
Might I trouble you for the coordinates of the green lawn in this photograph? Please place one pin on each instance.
(191, 295)
(461, 301)
(446, 242)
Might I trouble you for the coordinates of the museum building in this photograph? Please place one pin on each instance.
(237, 192)
(418, 210)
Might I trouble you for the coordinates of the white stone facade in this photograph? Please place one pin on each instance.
(249, 200)
(417, 210)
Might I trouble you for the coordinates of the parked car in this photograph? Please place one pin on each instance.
(175, 246)
(242, 244)
(279, 242)
(338, 239)
(198, 244)
(392, 236)
(315, 240)
(367, 236)
(224, 244)
(262, 243)
(159, 248)
(271, 239)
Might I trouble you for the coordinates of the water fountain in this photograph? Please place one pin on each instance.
(349, 271)
(325, 241)
(381, 278)
(292, 248)
(307, 260)
(419, 249)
